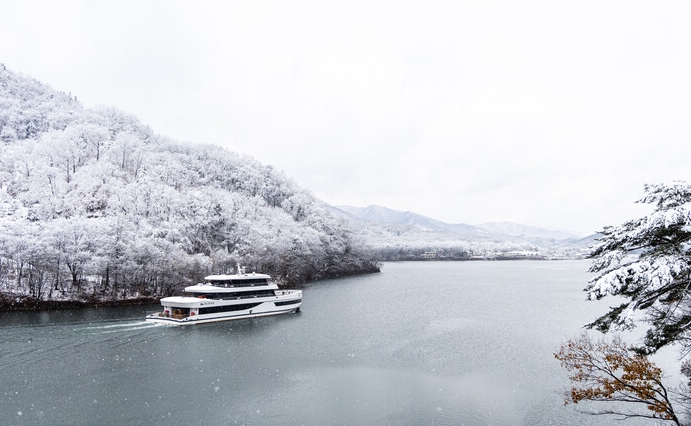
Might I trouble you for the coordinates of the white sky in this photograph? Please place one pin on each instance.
(546, 113)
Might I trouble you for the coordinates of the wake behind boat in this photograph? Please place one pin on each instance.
(227, 297)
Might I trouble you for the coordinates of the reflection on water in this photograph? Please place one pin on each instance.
(430, 343)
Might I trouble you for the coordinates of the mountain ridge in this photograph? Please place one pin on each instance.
(376, 213)
(404, 235)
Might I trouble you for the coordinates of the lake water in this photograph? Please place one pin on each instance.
(421, 343)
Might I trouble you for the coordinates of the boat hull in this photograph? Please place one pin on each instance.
(202, 319)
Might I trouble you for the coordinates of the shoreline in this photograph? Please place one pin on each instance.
(17, 303)
(25, 303)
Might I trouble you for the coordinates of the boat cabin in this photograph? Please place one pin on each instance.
(236, 282)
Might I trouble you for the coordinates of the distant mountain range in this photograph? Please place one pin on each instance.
(381, 214)
(385, 227)
(386, 215)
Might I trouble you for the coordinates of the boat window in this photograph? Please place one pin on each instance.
(216, 309)
(208, 295)
(288, 302)
(250, 282)
(250, 294)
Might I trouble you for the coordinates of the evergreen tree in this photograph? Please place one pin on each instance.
(647, 262)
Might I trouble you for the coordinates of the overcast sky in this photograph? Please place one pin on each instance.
(545, 113)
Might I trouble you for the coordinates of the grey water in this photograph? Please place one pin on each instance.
(421, 343)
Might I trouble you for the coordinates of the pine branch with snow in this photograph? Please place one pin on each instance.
(648, 262)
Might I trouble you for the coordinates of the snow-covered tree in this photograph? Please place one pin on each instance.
(647, 263)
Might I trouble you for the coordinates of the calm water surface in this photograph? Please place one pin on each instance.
(422, 343)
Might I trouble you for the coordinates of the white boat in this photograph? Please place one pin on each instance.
(228, 297)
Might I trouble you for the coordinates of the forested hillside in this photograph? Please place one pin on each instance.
(93, 204)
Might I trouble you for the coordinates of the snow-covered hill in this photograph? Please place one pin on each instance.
(93, 202)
